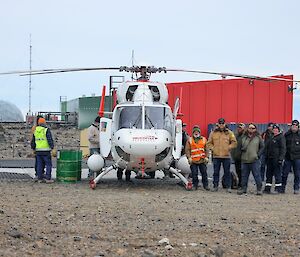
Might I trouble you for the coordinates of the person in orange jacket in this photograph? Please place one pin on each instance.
(196, 153)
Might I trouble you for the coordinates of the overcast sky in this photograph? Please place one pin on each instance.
(253, 37)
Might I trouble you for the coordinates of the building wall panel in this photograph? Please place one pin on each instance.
(236, 100)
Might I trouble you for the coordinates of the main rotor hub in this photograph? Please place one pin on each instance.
(144, 71)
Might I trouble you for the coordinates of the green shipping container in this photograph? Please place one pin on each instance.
(68, 168)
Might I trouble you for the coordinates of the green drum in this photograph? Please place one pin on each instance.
(68, 168)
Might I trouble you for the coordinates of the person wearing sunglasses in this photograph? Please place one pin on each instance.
(252, 147)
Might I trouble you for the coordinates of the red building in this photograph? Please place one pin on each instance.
(236, 100)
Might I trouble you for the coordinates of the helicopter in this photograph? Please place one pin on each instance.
(144, 134)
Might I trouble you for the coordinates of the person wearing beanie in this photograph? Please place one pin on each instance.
(275, 152)
(266, 136)
(196, 153)
(93, 138)
(42, 143)
(292, 156)
(221, 141)
(32, 132)
(236, 152)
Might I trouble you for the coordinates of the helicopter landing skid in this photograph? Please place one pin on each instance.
(94, 181)
(188, 184)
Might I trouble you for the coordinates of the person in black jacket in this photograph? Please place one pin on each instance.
(236, 153)
(185, 137)
(292, 156)
(266, 136)
(275, 152)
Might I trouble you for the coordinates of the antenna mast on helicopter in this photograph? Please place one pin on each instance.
(132, 62)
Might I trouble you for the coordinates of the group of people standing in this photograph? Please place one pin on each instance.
(251, 152)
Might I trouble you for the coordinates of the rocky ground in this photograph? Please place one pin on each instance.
(144, 218)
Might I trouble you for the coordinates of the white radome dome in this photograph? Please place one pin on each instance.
(95, 162)
(10, 112)
(183, 165)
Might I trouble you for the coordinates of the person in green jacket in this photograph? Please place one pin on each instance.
(236, 152)
(252, 147)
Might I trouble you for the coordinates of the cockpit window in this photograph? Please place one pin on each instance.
(158, 118)
(131, 117)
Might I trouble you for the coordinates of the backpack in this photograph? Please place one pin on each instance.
(234, 181)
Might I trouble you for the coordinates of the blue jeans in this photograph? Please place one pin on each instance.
(226, 167)
(203, 170)
(92, 151)
(288, 164)
(42, 161)
(246, 169)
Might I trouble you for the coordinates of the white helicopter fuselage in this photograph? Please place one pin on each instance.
(141, 136)
(142, 148)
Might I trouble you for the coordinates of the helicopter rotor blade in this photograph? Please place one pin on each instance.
(50, 71)
(149, 70)
(226, 74)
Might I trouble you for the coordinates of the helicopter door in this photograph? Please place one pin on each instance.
(105, 136)
(178, 140)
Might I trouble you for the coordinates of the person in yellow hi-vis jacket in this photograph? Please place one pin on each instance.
(42, 144)
(196, 153)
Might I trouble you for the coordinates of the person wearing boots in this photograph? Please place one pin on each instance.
(275, 151)
(221, 141)
(266, 136)
(292, 156)
(42, 143)
(120, 174)
(252, 146)
(196, 154)
(236, 152)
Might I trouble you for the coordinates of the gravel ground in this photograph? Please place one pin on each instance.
(144, 218)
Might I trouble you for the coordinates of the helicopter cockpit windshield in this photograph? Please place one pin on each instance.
(145, 117)
(158, 118)
(130, 117)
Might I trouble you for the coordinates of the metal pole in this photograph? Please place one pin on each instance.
(30, 61)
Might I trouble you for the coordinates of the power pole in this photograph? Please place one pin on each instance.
(30, 61)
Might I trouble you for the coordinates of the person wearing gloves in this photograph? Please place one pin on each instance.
(42, 144)
(196, 153)
(275, 150)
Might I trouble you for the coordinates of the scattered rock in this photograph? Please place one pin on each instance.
(169, 247)
(164, 241)
(14, 233)
(148, 253)
(77, 238)
(219, 252)
(94, 237)
(100, 254)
